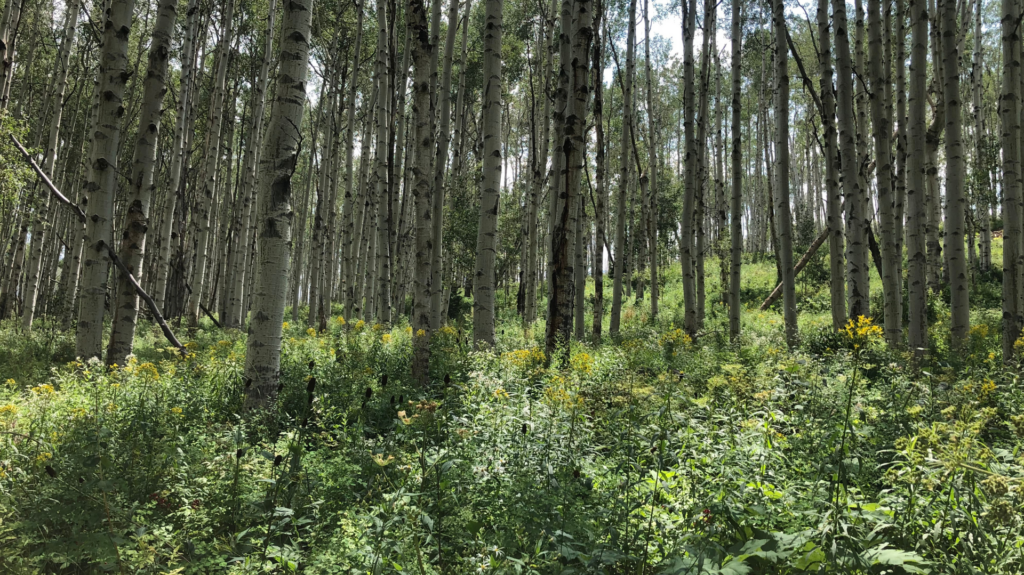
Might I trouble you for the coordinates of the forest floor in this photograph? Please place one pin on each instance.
(658, 454)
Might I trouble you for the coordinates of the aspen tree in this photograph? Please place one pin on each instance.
(917, 216)
(782, 208)
(207, 202)
(881, 121)
(956, 203)
(278, 160)
(690, 173)
(383, 122)
(416, 20)
(857, 283)
(483, 281)
(444, 115)
(178, 150)
(621, 251)
(736, 201)
(601, 195)
(834, 197)
(1009, 110)
(349, 240)
(652, 168)
(136, 224)
(102, 183)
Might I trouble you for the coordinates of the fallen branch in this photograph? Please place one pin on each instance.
(113, 255)
(799, 266)
(206, 311)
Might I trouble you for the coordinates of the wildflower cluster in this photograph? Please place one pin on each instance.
(861, 332)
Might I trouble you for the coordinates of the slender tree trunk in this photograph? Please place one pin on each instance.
(857, 267)
(350, 241)
(652, 169)
(416, 19)
(278, 160)
(621, 251)
(483, 285)
(383, 122)
(917, 215)
(207, 201)
(1009, 110)
(440, 160)
(102, 183)
(834, 197)
(955, 200)
(881, 121)
(736, 200)
(600, 201)
(690, 175)
(136, 224)
(782, 173)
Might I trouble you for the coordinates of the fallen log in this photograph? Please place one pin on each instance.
(800, 265)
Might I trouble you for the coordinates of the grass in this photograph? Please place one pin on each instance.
(655, 454)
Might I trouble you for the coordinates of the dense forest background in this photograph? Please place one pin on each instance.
(518, 286)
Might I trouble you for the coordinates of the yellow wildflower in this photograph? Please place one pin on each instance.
(284, 325)
(386, 338)
(861, 331)
(176, 410)
(360, 324)
(10, 408)
(341, 320)
(10, 383)
(381, 461)
(420, 333)
(44, 457)
(500, 393)
(44, 389)
(311, 332)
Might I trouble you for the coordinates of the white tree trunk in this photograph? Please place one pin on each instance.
(278, 160)
(101, 185)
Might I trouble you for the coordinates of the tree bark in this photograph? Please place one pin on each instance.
(278, 160)
(483, 285)
(955, 201)
(101, 185)
(136, 224)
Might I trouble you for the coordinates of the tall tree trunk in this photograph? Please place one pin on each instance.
(483, 285)
(136, 224)
(881, 121)
(782, 173)
(1009, 112)
(857, 267)
(178, 153)
(834, 197)
(278, 160)
(101, 186)
(736, 200)
(652, 169)
(383, 122)
(444, 116)
(207, 201)
(350, 241)
(416, 19)
(690, 175)
(955, 201)
(600, 200)
(621, 251)
(917, 215)
(240, 251)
